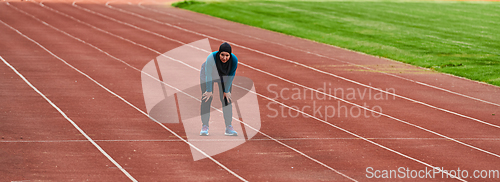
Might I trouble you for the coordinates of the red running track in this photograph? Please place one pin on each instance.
(66, 50)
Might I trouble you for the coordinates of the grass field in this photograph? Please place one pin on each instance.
(460, 38)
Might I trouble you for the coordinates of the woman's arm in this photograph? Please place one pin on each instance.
(232, 73)
(210, 63)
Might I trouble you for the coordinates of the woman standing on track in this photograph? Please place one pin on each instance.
(219, 67)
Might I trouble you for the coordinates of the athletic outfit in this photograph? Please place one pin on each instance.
(213, 70)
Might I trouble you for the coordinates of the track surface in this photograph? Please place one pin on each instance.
(433, 120)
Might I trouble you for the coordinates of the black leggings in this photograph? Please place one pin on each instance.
(205, 106)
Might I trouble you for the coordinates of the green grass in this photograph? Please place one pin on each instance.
(460, 38)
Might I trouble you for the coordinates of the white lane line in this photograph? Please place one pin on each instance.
(286, 60)
(231, 140)
(293, 62)
(237, 119)
(354, 104)
(61, 112)
(121, 98)
(323, 56)
(300, 112)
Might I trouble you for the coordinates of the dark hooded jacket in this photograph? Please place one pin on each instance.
(213, 68)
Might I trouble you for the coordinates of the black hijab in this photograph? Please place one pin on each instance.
(223, 68)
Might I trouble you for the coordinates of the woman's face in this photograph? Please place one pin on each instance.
(224, 57)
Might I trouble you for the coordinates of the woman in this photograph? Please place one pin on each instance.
(219, 67)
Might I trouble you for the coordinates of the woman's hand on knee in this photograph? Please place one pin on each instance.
(206, 96)
(228, 96)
